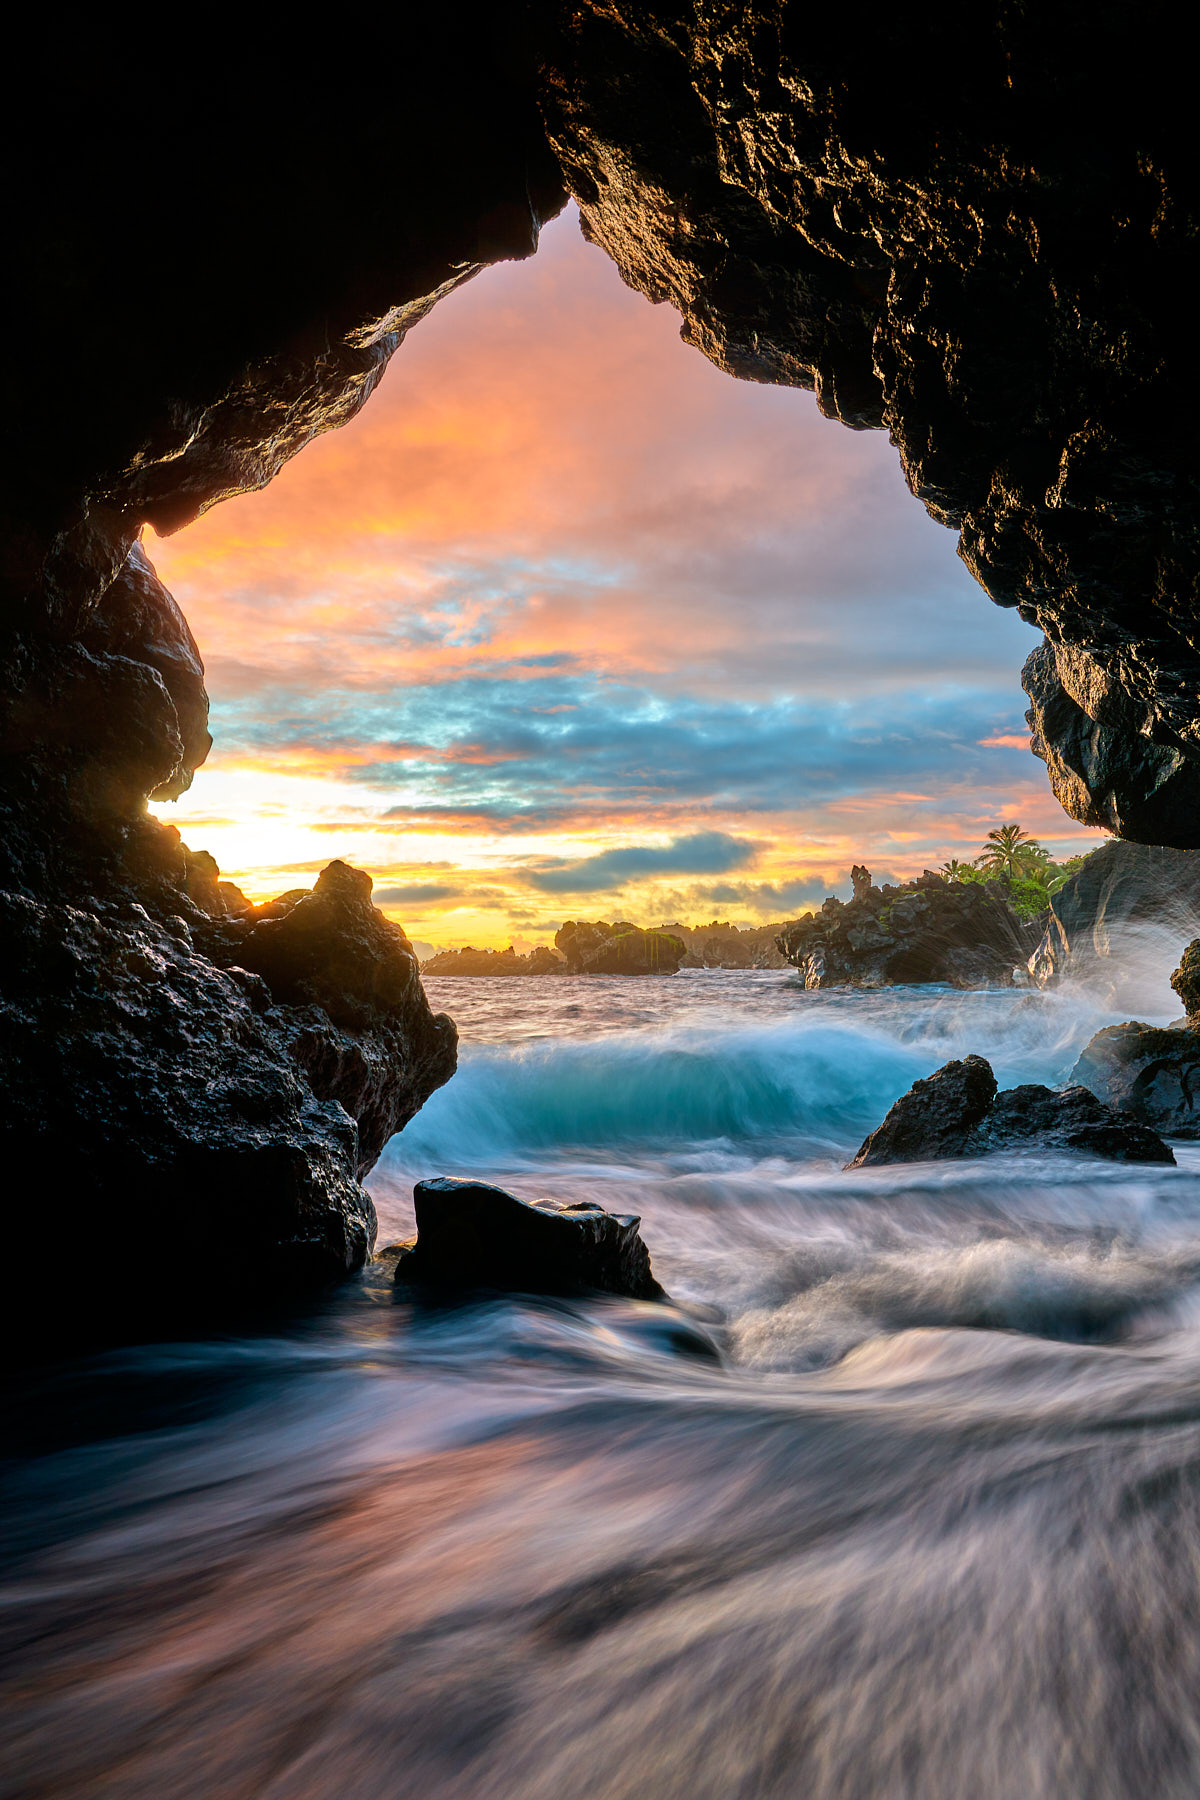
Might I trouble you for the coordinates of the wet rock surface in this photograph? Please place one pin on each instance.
(1151, 1072)
(929, 930)
(935, 1118)
(957, 1111)
(472, 1235)
(199, 1128)
(974, 229)
(1120, 889)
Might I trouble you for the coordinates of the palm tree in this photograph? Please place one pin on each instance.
(1010, 851)
(954, 870)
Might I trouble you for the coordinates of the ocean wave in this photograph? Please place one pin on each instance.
(818, 1080)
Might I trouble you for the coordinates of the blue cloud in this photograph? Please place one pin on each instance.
(703, 853)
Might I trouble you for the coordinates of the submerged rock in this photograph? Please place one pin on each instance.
(473, 1235)
(929, 930)
(957, 1112)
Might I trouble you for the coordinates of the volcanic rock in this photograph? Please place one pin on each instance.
(472, 1235)
(721, 945)
(621, 949)
(935, 1118)
(928, 930)
(973, 227)
(541, 960)
(202, 1126)
(957, 1112)
(1119, 890)
(1151, 1072)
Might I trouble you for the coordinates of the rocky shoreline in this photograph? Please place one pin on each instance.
(927, 930)
(205, 1090)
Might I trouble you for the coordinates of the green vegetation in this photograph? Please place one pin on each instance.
(1022, 865)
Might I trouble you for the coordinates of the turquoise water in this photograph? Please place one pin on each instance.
(930, 1526)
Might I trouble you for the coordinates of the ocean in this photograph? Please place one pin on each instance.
(900, 1497)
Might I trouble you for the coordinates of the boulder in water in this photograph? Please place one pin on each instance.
(957, 1112)
(1152, 1072)
(473, 1235)
(935, 1118)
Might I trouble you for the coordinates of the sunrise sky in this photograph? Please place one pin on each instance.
(568, 624)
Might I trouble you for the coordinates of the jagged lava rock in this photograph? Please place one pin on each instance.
(1070, 1118)
(1119, 888)
(928, 930)
(935, 1118)
(201, 1129)
(957, 1111)
(473, 1235)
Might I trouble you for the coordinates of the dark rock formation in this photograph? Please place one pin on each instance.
(964, 933)
(621, 949)
(1072, 1118)
(957, 1112)
(1119, 889)
(1150, 1072)
(935, 1118)
(1146, 1072)
(541, 960)
(471, 1235)
(194, 1098)
(721, 945)
(976, 228)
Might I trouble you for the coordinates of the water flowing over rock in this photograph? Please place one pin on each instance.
(1120, 890)
(1151, 1072)
(957, 1111)
(964, 933)
(471, 1235)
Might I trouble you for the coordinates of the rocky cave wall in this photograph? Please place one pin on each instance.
(973, 229)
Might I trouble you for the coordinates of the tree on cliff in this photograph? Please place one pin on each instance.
(1012, 852)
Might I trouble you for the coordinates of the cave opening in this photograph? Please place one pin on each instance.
(673, 1376)
(568, 624)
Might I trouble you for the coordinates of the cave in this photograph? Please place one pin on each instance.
(975, 232)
